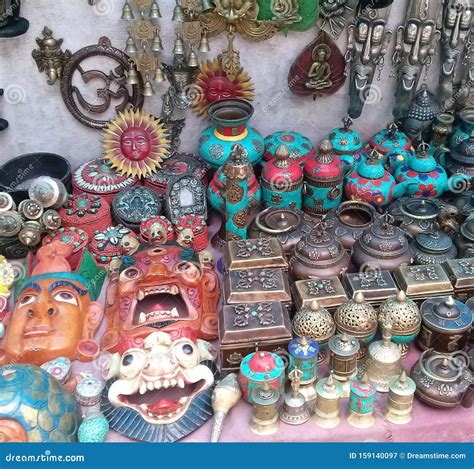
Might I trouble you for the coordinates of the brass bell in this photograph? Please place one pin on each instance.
(148, 89)
(384, 360)
(131, 48)
(178, 46)
(127, 12)
(207, 5)
(155, 11)
(158, 78)
(178, 13)
(156, 45)
(193, 59)
(294, 410)
(204, 44)
(132, 78)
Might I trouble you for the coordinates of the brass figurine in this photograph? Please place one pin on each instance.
(225, 396)
(414, 50)
(367, 44)
(50, 58)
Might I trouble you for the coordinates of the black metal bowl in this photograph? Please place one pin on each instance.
(15, 173)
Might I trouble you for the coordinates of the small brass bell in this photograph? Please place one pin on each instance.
(207, 5)
(204, 44)
(399, 406)
(127, 12)
(264, 417)
(294, 410)
(155, 11)
(131, 48)
(384, 360)
(159, 78)
(132, 78)
(178, 46)
(156, 45)
(148, 89)
(193, 59)
(178, 13)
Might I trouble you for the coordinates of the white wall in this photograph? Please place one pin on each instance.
(39, 120)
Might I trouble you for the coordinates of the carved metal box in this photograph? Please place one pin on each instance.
(376, 286)
(329, 293)
(421, 282)
(461, 274)
(254, 253)
(247, 327)
(257, 285)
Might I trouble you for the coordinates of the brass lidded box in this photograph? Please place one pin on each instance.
(421, 282)
(247, 327)
(254, 253)
(461, 274)
(377, 285)
(246, 285)
(328, 292)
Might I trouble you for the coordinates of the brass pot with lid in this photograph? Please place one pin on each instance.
(285, 224)
(349, 220)
(382, 246)
(433, 247)
(446, 325)
(442, 379)
(464, 240)
(318, 254)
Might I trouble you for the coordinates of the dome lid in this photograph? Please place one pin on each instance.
(325, 165)
(372, 166)
(389, 139)
(419, 208)
(262, 362)
(344, 140)
(446, 314)
(423, 162)
(403, 312)
(281, 171)
(425, 106)
(344, 345)
(434, 242)
(303, 348)
(315, 322)
(356, 317)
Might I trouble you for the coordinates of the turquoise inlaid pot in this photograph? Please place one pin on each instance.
(362, 397)
(347, 144)
(463, 130)
(372, 183)
(304, 354)
(426, 177)
(389, 140)
(299, 146)
(229, 118)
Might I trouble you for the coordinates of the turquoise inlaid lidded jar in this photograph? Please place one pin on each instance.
(304, 356)
(229, 118)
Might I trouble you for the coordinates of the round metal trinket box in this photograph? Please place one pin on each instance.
(48, 192)
(258, 368)
(362, 403)
(432, 247)
(97, 177)
(348, 221)
(89, 391)
(399, 406)
(131, 206)
(86, 212)
(318, 254)
(30, 209)
(446, 325)
(464, 128)
(285, 224)
(357, 318)
(78, 238)
(299, 146)
(173, 168)
(382, 246)
(405, 317)
(442, 379)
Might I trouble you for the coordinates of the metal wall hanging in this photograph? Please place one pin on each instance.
(319, 69)
(294, 15)
(3, 122)
(457, 22)
(335, 14)
(415, 47)
(113, 93)
(11, 23)
(173, 126)
(143, 43)
(49, 57)
(465, 93)
(367, 44)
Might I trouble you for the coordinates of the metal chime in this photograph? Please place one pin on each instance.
(143, 43)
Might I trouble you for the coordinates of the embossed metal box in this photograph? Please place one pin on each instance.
(247, 327)
(461, 274)
(421, 282)
(329, 293)
(257, 285)
(254, 253)
(376, 286)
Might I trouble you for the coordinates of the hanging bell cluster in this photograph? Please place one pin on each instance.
(178, 13)
(127, 12)
(132, 78)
